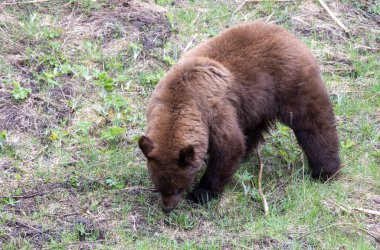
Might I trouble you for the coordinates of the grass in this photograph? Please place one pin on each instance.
(75, 81)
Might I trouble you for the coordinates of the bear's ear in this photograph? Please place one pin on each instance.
(186, 156)
(146, 145)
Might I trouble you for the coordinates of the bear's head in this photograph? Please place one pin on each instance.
(170, 173)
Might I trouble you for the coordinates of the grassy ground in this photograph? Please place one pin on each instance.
(75, 78)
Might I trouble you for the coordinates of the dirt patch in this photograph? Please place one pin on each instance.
(36, 113)
(17, 228)
(7, 166)
(119, 23)
(314, 20)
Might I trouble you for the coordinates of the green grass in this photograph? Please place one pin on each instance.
(82, 72)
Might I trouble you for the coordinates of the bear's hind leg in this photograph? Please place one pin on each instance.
(318, 137)
(321, 152)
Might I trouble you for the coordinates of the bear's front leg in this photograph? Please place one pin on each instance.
(225, 154)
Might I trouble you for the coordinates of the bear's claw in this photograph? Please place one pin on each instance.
(201, 196)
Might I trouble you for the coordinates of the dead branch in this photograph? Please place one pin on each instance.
(265, 203)
(269, 17)
(236, 10)
(324, 5)
(350, 210)
(366, 211)
(190, 43)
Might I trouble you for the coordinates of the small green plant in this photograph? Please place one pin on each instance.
(51, 33)
(163, 2)
(20, 93)
(3, 138)
(86, 5)
(183, 221)
(105, 81)
(115, 101)
(113, 133)
(151, 78)
(74, 181)
(30, 26)
(136, 49)
(82, 72)
(50, 77)
(115, 184)
(245, 179)
(171, 20)
(92, 51)
(168, 60)
(82, 232)
(10, 201)
(347, 144)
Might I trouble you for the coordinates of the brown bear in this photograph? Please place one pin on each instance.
(222, 96)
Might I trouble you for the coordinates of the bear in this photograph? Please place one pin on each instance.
(221, 97)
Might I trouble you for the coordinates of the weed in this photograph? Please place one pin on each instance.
(150, 78)
(20, 93)
(113, 133)
(104, 80)
(3, 138)
(182, 220)
(164, 2)
(136, 49)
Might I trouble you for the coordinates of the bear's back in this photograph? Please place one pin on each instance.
(259, 47)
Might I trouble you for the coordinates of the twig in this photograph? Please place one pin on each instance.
(324, 5)
(269, 17)
(29, 226)
(236, 10)
(265, 203)
(195, 20)
(190, 43)
(366, 211)
(26, 2)
(348, 209)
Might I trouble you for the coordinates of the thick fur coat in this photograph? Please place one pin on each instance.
(222, 96)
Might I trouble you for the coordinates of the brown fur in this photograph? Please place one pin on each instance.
(222, 96)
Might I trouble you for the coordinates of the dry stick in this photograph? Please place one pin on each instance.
(26, 2)
(190, 43)
(366, 211)
(359, 209)
(265, 203)
(236, 10)
(29, 226)
(269, 17)
(333, 16)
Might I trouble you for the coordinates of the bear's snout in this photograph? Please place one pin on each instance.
(170, 202)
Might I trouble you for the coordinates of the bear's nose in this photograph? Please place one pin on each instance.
(167, 210)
